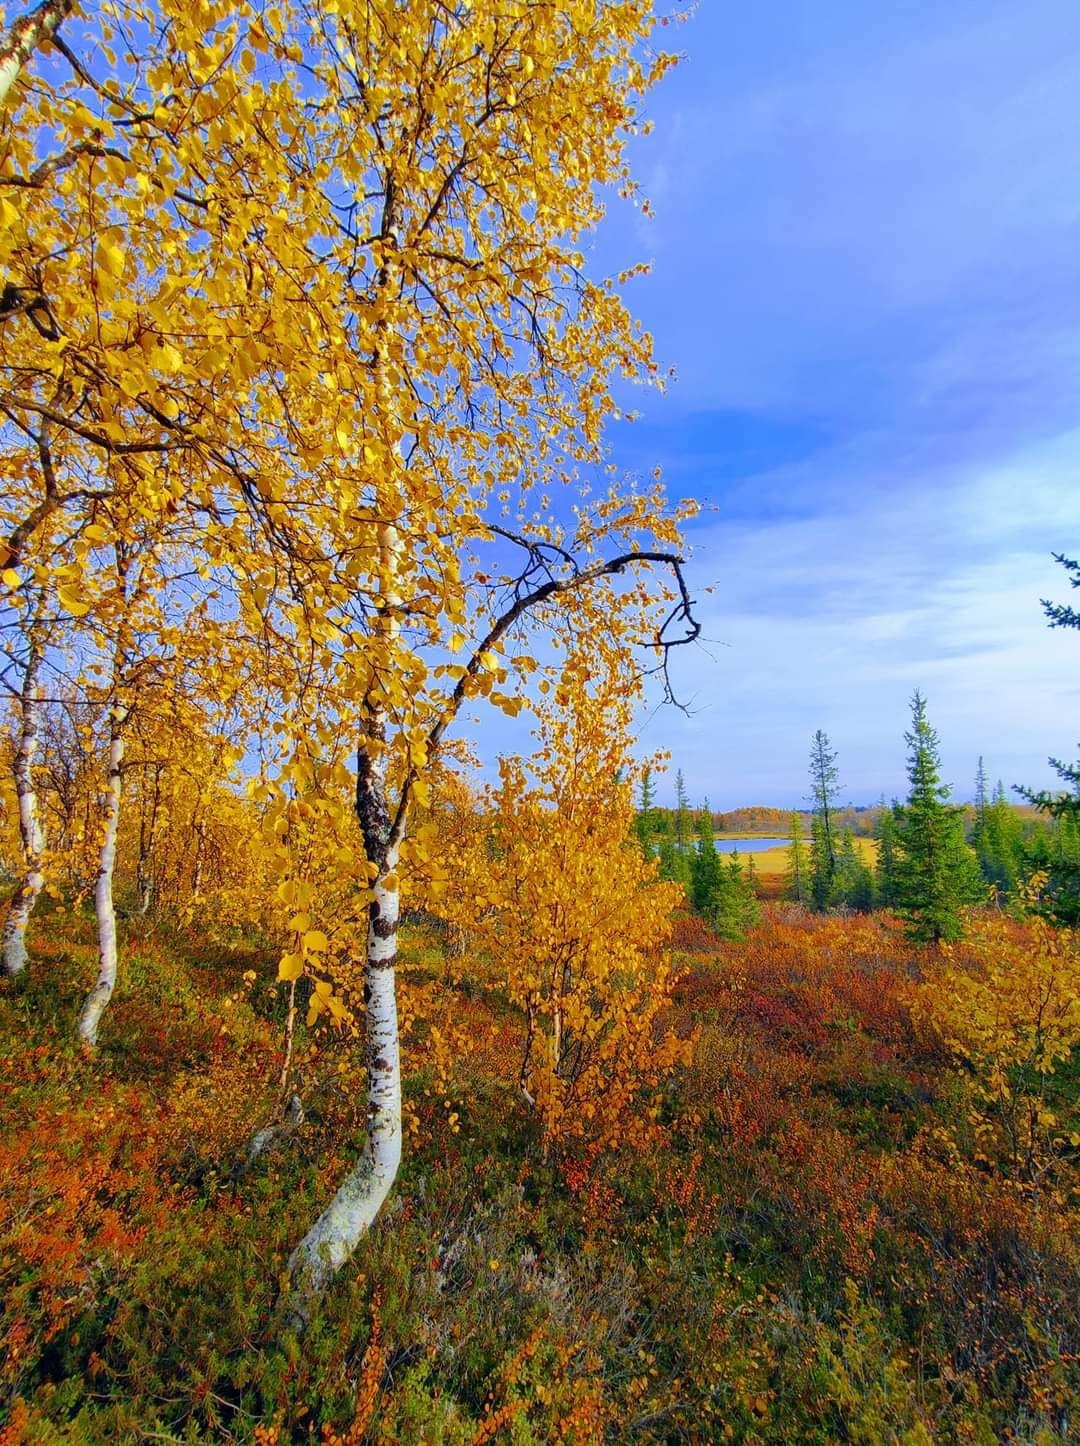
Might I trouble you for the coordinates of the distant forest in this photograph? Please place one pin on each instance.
(861, 819)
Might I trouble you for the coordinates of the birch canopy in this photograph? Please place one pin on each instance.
(306, 283)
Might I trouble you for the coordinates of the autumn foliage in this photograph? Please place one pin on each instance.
(303, 384)
(815, 1238)
(553, 899)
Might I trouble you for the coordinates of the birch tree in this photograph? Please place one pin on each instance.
(311, 281)
(128, 582)
(31, 825)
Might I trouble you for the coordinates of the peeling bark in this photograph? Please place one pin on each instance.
(335, 1235)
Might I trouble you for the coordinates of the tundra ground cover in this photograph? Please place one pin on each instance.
(819, 1244)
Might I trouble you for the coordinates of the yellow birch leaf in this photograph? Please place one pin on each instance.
(290, 967)
(110, 258)
(73, 602)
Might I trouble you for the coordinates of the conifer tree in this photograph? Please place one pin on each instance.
(853, 884)
(644, 822)
(936, 872)
(1060, 614)
(683, 824)
(824, 787)
(674, 862)
(982, 801)
(1062, 894)
(885, 871)
(1053, 849)
(735, 908)
(704, 866)
(999, 844)
(797, 878)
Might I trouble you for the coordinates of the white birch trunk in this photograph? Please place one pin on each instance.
(335, 1235)
(337, 1232)
(30, 826)
(24, 36)
(99, 996)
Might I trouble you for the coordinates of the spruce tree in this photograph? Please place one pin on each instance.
(936, 873)
(644, 823)
(885, 869)
(1063, 884)
(674, 862)
(1060, 614)
(982, 800)
(853, 883)
(1065, 870)
(735, 907)
(824, 787)
(999, 845)
(682, 813)
(704, 867)
(797, 878)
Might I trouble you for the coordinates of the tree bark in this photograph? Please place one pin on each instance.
(30, 826)
(25, 35)
(99, 996)
(335, 1235)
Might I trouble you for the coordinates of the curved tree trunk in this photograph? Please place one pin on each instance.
(99, 996)
(30, 826)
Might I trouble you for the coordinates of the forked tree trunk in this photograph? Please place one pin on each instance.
(99, 996)
(30, 826)
(24, 36)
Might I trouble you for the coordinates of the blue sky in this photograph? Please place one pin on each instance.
(866, 272)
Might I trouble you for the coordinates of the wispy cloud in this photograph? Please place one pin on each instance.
(832, 620)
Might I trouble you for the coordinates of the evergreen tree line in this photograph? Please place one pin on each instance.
(932, 859)
(719, 889)
(927, 866)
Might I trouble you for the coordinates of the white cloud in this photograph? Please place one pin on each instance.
(832, 622)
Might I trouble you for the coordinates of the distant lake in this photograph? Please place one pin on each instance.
(728, 845)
